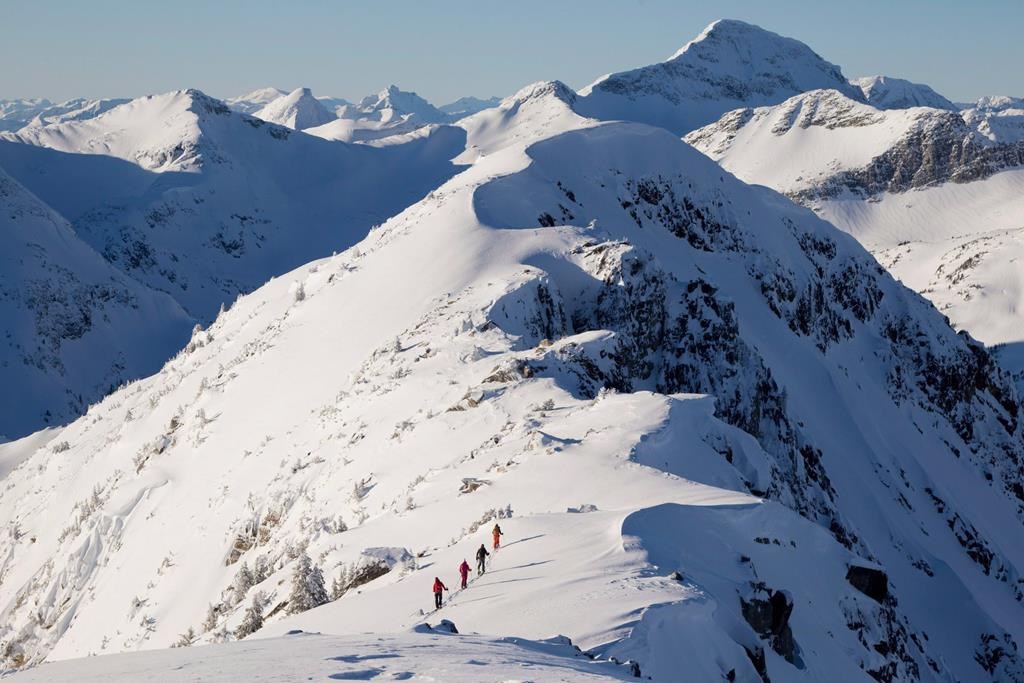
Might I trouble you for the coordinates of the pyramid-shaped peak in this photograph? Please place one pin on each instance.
(299, 109)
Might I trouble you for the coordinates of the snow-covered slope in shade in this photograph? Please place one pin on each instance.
(730, 64)
(885, 92)
(205, 203)
(465, 106)
(297, 110)
(523, 345)
(74, 328)
(252, 102)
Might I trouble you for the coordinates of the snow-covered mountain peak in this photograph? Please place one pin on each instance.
(394, 103)
(731, 64)
(885, 92)
(298, 110)
(467, 106)
(543, 89)
(252, 102)
(536, 111)
(999, 119)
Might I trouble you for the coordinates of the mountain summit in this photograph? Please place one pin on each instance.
(731, 64)
(297, 110)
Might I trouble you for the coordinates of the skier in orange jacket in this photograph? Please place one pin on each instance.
(497, 536)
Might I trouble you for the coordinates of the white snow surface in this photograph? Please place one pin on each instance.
(886, 92)
(415, 656)
(390, 112)
(731, 64)
(252, 102)
(1000, 119)
(537, 324)
(806, 140)
(297, 110)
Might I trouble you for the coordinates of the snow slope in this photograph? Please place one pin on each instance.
(297, 110)
(937, 196)
(731, 64)
(427, 656)
(252, 102)
(201, 202)
(526, 339)
(74, 327)
(885, 92)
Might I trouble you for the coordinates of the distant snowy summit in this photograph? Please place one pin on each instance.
(297, 110)
(730, 64)
(885, 92)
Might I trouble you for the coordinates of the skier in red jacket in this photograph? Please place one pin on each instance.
(464, 572)
(438, 587)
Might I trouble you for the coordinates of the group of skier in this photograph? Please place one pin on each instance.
(481, 566)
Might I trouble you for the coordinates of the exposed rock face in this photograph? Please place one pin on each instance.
(860, 149)
(943, 149)
(869, 581)
(768, 611)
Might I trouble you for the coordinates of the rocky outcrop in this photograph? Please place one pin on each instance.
(869, 581)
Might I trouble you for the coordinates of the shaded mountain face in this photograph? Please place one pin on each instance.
(857, 470)
(193, 199)
(730, 64)
(74, 327)
(885, 92)
(466, 106)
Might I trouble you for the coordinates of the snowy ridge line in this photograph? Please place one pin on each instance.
(722, 441)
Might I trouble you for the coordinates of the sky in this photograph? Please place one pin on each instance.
(444, 49)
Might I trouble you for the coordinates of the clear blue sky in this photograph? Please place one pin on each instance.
(447, 48)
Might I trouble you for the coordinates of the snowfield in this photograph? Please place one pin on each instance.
(721, 441)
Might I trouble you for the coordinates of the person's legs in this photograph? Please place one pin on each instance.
(437, 601)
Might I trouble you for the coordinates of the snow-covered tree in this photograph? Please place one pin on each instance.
(244, 580)
(253, 619)
(187, 638)
(210, 622)
(308, 589)
(339, 584)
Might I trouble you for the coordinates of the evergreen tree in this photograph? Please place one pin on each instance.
(307, 586)
(244, 580)
(253, 619)
(210, 623)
